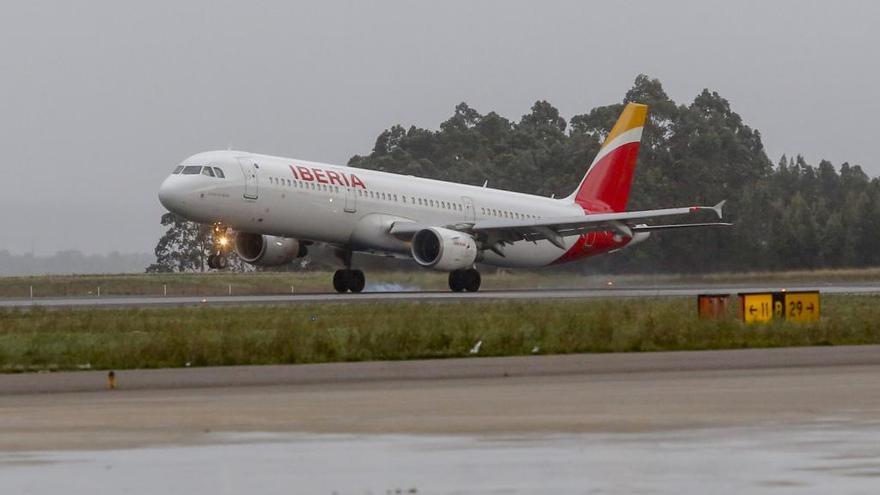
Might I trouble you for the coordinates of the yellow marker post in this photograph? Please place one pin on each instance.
(802, 306)
(756, 308)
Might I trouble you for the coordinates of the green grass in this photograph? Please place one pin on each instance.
(208, 336)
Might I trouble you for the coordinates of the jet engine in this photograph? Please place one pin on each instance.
(444, 249)
(267, 250)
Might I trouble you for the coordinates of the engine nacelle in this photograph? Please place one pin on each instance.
(267, 250)
(444, 249)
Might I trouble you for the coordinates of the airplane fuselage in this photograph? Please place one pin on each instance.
(354, 207)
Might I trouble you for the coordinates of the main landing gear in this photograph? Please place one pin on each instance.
(468, 280)
(219, 247)
(348, 279)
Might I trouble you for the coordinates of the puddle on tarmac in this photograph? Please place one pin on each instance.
(819, 458)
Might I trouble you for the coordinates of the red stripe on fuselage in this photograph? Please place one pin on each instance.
(592, 244)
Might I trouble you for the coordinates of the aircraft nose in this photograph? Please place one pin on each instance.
(171, 194)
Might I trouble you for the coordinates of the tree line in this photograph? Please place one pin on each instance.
(787, 215)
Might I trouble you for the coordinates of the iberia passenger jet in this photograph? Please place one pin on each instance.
(276, 207)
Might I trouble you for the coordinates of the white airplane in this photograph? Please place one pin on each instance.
(276, 207)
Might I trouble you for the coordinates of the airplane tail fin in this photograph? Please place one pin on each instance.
(605, 187)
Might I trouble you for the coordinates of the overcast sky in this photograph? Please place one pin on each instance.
(99, 99)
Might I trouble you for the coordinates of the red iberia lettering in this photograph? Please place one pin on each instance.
(356, 182)
(305, 174)
(319, 175)
(333, 177)
(326, 176)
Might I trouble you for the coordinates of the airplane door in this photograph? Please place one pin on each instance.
(250, 170)
(350, 200)
(470, 213)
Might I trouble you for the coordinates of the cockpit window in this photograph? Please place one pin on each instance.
(219, 173)
(192, 170)
(208, 171)
(177, 169)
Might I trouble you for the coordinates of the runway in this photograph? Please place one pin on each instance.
(336, 374)
(756, 421)
(432, 296)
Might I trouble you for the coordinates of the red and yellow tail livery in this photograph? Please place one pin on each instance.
(605, 187)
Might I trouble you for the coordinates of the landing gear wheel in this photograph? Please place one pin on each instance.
(456, 280)
(357, 281)
(220, 262)
(472, 280)
(217, 261)
(341, 280)
(349, 280)
(461, 280)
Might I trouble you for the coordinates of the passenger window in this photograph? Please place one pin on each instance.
(218, 172)
(192, 170)
(177, 169)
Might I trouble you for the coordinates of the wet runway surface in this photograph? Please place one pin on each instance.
(821, 458)
(753, 421)
(531, 294)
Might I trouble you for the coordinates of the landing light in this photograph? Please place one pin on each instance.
(223, 241)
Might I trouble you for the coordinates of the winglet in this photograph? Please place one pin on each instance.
(717, 208)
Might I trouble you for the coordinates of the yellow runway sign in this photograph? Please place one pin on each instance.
(801, 306)
(791, 306)
(757, 308)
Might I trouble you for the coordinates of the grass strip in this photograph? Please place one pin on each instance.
(40, 339)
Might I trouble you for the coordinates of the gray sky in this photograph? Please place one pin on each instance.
(99, 99)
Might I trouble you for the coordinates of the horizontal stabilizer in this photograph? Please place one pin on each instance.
(652, 228)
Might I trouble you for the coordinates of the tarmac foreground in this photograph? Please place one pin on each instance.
(757, 421)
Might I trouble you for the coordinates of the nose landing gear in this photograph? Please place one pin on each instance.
(461, 280)
(219, 247)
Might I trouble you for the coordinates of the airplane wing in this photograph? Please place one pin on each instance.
(493, 233)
